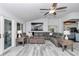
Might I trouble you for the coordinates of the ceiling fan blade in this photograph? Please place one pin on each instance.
(61, 8)
(44, 9)
(54, 13)
(46, 13)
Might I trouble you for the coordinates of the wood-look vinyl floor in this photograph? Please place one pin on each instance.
(47, 49)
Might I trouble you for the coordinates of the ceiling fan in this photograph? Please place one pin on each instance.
(53, 9)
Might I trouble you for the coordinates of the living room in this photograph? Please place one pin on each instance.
(14, 19)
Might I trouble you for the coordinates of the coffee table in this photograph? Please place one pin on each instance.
(65, 43)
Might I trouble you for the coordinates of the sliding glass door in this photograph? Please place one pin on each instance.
(7, 33)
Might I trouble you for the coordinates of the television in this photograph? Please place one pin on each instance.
(36, 26)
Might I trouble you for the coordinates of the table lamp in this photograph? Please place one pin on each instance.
(29, 34)
(66, 33)
(19, 32)
(50, 34)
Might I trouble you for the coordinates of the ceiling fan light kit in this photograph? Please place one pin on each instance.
(52, 11)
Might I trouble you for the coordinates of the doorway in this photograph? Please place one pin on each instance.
(7, 33)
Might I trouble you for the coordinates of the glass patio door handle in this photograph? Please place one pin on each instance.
(0, 35)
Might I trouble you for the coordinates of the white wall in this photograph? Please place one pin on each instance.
(8, 15)
(1, 32)
(47, 21)
(43, 20)
(57, 21)
(12, 17)
(54, 21)
(73, 15)
(5, 15)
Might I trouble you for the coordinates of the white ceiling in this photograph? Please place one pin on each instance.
(31, 11)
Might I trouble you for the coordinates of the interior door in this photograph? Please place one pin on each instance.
(7, 33)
